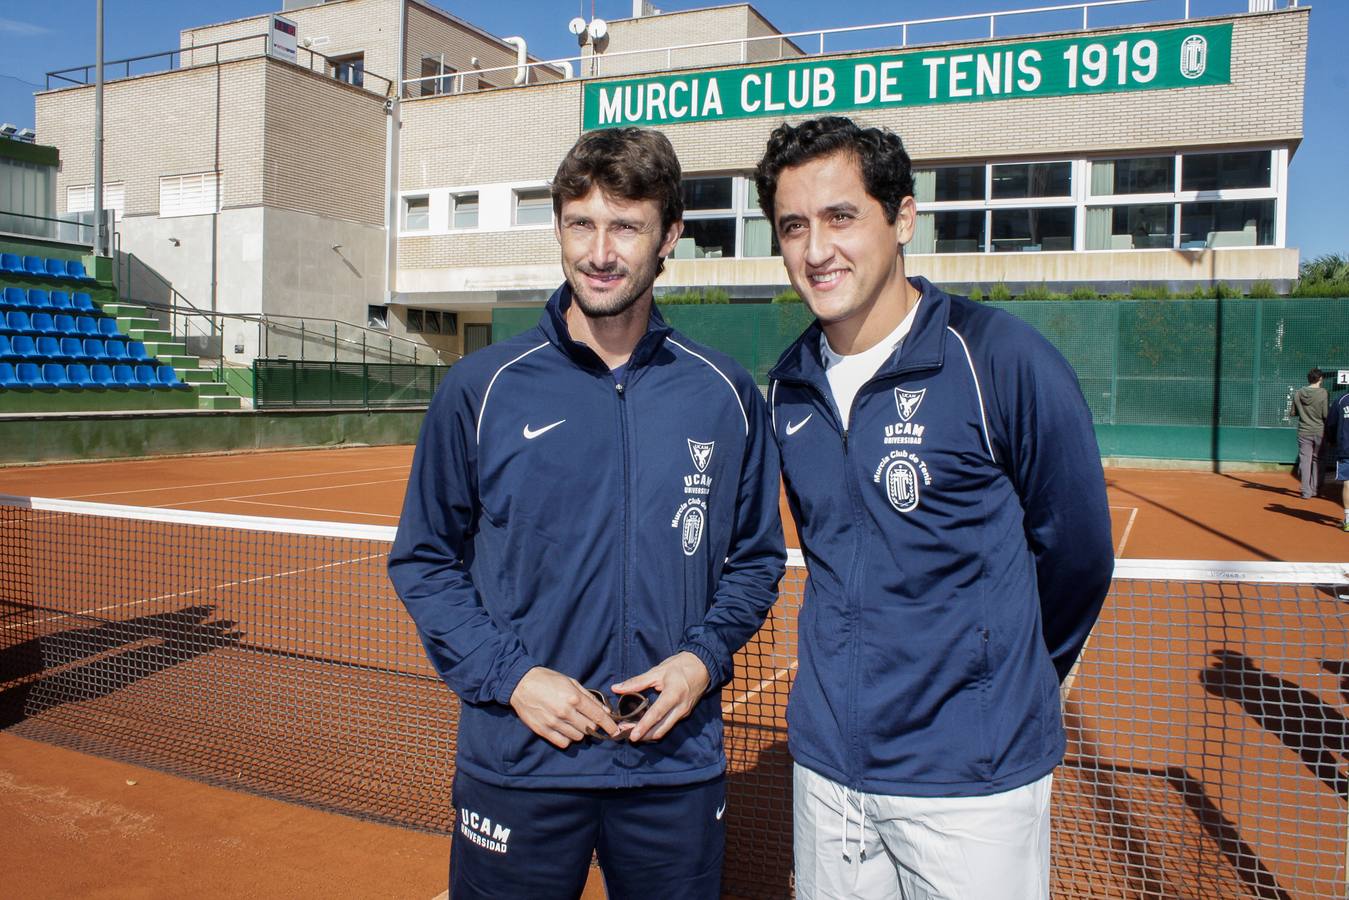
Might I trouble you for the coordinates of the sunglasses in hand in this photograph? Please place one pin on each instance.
(627, 710)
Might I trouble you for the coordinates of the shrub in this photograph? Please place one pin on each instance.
(1150, 292)
(1335, 289)
(975, 294)
(696, 296)
(999, 293)
(1263, 290)
(1327, 267)
(788, 296)
(1037, 292)
(1082, 292)
(1224, 291)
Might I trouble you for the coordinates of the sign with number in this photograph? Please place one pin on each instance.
(281, 39)
(1134, 61)
(1342, 377)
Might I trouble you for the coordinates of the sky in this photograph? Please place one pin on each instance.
(36, 38)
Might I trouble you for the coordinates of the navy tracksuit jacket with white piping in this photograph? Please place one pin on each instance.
(557, 518)
(958, 543)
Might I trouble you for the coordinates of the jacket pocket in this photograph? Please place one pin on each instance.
(982, 686)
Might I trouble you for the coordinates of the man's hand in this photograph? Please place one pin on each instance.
(558, 709)
(681, 681)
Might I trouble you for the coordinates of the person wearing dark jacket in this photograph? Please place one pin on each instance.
(941, 465)
(1310, 405)
(1338, 426)
(590, 532)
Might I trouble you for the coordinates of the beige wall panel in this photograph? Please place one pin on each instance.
(488, 248)
(430, 34)
(517, 134)
(325, 145)
(675, 29)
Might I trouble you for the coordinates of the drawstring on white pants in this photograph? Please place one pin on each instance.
(848, 794)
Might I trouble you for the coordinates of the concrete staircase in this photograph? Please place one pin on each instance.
(137, 323)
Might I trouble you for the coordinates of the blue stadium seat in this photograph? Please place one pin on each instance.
(10, 262)
(108, 327)
(48, 347)
(16, 322)
(15, 296)
(61, 300)
(41, 323)
(123, 375)
(8, 380)
(72, 348)
(56, 268)
(145, 377)
(39, 299)
(75, 269)
(6, 351)
(102, 376)
(93, 349)
(21, 346)
(79, 373)
(83, 302)
(31, 375)
(65, 323)
(55, 375)
(33, 265)
(136, 350)
(167, 376)
(87, 326)
(116, 350)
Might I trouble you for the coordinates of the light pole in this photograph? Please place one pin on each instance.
(99, 247)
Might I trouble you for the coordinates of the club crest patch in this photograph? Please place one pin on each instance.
(907, 402)
(701, 453)
(691, 533)
(902, 476)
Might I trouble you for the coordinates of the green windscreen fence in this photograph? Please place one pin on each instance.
(1179, 379)
(308, 384)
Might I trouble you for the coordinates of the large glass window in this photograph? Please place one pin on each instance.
(464, 210)
(948, 183)
(1138, 175)
(954, 231)
(1049, 228)
(1021, 180)
(708, 239)
(722, 219)
(1225, 171)
(350, 69)
(533, 206)
(416, 213)
(1232, 223)
(1142, 227)
(708, 193)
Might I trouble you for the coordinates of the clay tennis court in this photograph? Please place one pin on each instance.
(81, 829)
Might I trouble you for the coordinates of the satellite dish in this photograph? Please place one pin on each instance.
(598, 29)
(577, 26)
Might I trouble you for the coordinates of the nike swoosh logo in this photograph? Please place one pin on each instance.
(531, 433)
(720, 810)
(794, 427)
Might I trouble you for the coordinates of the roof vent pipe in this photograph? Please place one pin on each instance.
(568, 72)
(521, 66)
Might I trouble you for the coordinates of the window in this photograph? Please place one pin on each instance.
(1225, 171)
(1045, 228)
(1237, 223)
(350, 69)
(437, 78)
(431, 321)
(948, 183)
(1023, 180)
(416, 213)
(189, 195)
(416, 322)
(1142, 175)
(1149, 226)
(377, 317)
(533, 206)
(464, 210)
(80, 198)
(955, 231)
(709, 218)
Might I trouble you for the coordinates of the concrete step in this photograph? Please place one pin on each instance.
(178, 362)
(118, 310)
(165, 348)
(210, 389)
(149, 335)
(127, 323)
(197, 376)
(219, 403)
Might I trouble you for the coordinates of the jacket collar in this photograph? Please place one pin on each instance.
(553, 323)
(924, 348)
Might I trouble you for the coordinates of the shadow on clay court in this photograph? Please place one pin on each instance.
(1291, 491)
(1159, 825)
(1305, 515)
(1305, 724)
(42, 673)
(759, 827)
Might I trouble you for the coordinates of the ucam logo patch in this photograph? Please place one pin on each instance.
(907, 402)
(482, 831)
(701, 453)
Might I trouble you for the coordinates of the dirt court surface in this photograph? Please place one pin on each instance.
(74, 827)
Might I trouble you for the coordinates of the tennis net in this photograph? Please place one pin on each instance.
(1207, 734)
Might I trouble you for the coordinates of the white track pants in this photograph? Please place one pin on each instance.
(854, 846)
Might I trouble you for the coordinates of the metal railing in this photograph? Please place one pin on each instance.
(893, 35)
(78, 230)
(209, 55)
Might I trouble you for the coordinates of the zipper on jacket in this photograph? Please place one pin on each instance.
(625, 749)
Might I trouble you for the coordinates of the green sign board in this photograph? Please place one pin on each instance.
(1133, 61)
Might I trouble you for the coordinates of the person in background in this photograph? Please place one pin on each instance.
(1309, 406)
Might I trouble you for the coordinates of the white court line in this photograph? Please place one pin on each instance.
(214, 587)
(186, 487)
(728, 708)
(305, 490)
(348, 512)
(1124, 538)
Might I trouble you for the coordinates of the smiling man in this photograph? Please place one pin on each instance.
(590, 532)
(941, 465)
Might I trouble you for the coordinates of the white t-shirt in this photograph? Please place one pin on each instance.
(847, 374)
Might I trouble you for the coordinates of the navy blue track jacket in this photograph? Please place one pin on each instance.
(958, 542)
(1338, 426)
(557, 518)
